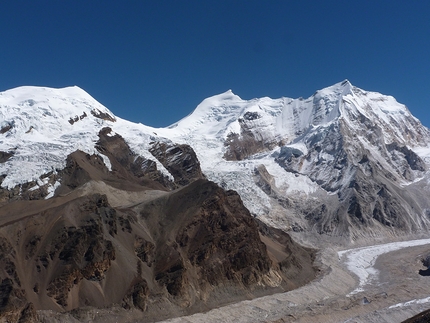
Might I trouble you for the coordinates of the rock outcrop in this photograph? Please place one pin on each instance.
(180, 160)
(126, 164)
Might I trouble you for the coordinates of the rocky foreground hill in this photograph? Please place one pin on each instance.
(132, 240)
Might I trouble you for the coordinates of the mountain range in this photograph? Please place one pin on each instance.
(97, 211)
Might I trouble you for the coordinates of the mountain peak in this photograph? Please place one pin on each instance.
(48, 121)
(67, 101)
(336, 90)
(213, 108)
(225, 96)
(27, 92)
(346, 82)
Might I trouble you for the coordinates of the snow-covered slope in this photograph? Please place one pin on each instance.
(343, 158)
(41, 126)
(40, 134)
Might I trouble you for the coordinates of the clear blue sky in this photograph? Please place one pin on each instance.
(154, 61)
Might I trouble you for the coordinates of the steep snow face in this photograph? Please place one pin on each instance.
(380, 129)
(321, 109)
(347, 126)
(384, 112)
(364, 151)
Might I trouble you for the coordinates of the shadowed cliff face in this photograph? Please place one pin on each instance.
(126, 164)
(158, 251)
(180, 160)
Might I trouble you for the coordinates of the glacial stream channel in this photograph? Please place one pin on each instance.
(377, 283)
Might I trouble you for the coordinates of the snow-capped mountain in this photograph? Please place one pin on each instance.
(99, 215)
(342, 162)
